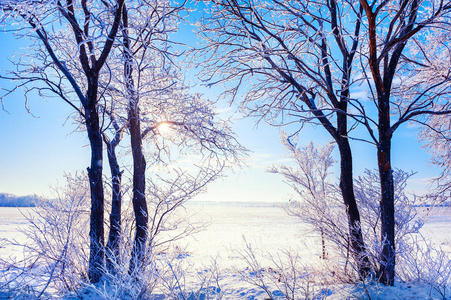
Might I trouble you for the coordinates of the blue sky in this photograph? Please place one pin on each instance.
(36, 150)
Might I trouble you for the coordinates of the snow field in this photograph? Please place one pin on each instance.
(233, 229)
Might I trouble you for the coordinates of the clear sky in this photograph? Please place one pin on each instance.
(36, 149)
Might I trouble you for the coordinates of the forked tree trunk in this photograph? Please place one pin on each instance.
(383, 80)
(358, 249)
(91, 66)
(340, 135)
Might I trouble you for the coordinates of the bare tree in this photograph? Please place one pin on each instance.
(436, 134)
(310, 178)
(139, 162)
(436, 139)
(293, 61)
(146, 91)
(57, 237)
(301, 56)
(316, 203)
(138, 85)
(57, 28)
(405, 85)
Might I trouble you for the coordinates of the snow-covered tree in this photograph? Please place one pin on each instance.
(407, 71)
(435, 135)
(152, 97)
(310, 178)
(293, 61)
(301, 62)
(139, 90)
(436, 139)
(51, 66)
(317, 204)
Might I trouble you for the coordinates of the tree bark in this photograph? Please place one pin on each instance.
(383, 84)
(386, 273)
(96, 232)
(139, 185)
(112, 247)
(139, 161)
(358, 248)
(340, 135)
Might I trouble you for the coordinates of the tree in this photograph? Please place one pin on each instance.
(436, 140)
(138, 85)
(310, 178)
(316, 202)
(151, 95)
(59, 70)
(294, 60)
(435, 134)
(134, 125)
(403, 84)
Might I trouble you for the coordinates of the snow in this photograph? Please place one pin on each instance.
(234, 227)
(438, 226)
(265, 227)
(11, 221)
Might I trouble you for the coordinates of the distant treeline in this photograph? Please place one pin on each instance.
(8, 200)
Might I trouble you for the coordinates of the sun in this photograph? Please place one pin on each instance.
(164, 128)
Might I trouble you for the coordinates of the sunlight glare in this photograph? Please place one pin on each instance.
(164, 128)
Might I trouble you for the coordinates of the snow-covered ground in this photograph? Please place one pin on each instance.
(11, 221)
(438, 226)
(270, 231)
(230, 226)
(234, 227)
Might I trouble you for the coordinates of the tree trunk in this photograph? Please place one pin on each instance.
(386, 272)
(139, 161)
(139, 185)
(112, 247)
(96, 231)
(347, 189)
